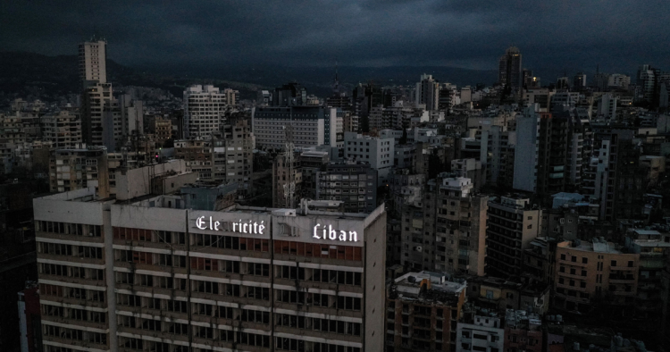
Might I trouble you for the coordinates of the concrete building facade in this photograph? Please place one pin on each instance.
(147, 274)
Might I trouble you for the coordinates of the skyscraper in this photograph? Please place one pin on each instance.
(99, 109)
(204, 110)
(428, 92)
(92, 61)
(510, 73)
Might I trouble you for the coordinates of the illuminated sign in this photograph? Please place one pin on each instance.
(327, 233)
(251, 227)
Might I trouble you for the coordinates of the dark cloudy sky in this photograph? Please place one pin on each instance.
(570, 34)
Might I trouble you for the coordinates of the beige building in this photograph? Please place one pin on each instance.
(422, 310)
(512, 224)
(587, 271)
(93, 61)
(78, 168)
(63, 130)
(144, 273)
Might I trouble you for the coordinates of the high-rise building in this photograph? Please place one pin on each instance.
(428, 92)
(614, 176)
(510, 72)
(227, 156)
(579, 82)
(312, 126)
(512, 224)
(607, 105)
(422, 310)
(93, 62)
(447, 232)
(150, 274)
(63, 130)
(79, 167)
(205, 110)
(353, 183)
(377, 152)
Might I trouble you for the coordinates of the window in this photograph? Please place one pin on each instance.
(585, 260)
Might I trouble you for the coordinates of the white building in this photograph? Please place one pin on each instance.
(483, 333)
(204, 110)
(378, 152)
(312, 126)
(607, 106)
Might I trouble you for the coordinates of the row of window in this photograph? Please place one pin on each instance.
(318, 324)
(73, 313)
(319, 300)
(74, 334)
(69, 250)
(72, 271)
(68, 229)
(71, 292)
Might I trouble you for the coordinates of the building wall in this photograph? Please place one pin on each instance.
(156, 257)
(584, 275)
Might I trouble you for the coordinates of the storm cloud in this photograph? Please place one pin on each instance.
(570, 35)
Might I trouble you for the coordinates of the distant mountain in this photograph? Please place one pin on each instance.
(319, 80)
(28, 74)
(25, 74)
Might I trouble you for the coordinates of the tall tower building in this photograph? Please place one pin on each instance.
(510, 72)
(99, 110)
(428, 92)
(92, 61)
(204, 111)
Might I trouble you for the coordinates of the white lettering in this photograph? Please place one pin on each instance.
(200, 223)
(261, 227)
(234, 227)
(332, 234)
(328, 233)
(216, 225)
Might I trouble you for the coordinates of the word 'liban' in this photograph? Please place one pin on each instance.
(327, 233)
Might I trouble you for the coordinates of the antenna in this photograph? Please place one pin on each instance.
(336, 85)
(289, 186)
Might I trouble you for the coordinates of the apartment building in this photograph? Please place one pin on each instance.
(594, 270)
(355, 184)
(79, 168)
(311, 126)
(447, 233)
(205, 110)
(93, 61)
(479, 330)
(63, 129)
(142, 273)
(378, 152)
(226, 156)
(512, 224)
(422, 310)
(311, 162)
